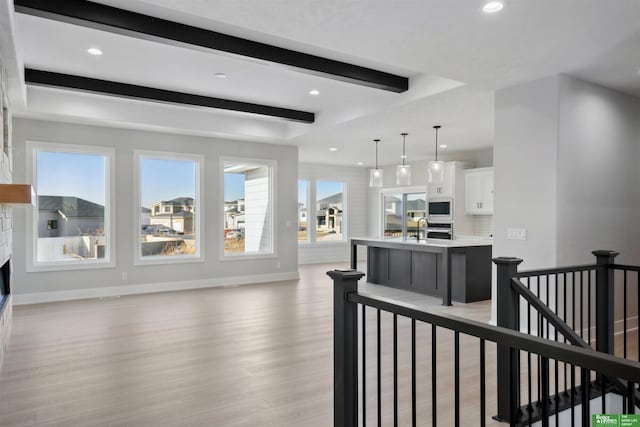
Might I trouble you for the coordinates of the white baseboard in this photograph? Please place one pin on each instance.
(114, 291)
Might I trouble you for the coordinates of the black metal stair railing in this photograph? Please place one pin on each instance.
(572, 305)
(389, 358)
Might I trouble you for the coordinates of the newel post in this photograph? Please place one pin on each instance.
(604, 301)
(345, 348)
(508, 316)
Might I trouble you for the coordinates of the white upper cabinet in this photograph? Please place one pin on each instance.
(443, 189)
(479, 191)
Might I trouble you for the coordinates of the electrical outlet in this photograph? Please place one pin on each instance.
(277, 265)
(124, 275)
(516, 234)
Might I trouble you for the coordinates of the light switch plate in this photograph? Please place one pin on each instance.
(516, 234)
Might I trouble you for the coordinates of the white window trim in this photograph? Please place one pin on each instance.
(198, 159)
(392, 190)
(243, 256)
(32, 264)
(307, 241)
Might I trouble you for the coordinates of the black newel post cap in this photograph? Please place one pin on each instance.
(604, 252)
(345, 274)
(507, 260)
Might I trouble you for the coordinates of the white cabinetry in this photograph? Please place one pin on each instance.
(445, 188)
(479, 191)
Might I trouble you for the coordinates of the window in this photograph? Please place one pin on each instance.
(401, 212)
(167, 207)
(73, 223)
(329, 211)
(303, 198)
(247, 207)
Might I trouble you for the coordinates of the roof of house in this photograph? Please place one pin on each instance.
(144, 210)
(178, 201)
(335, 198)
(71, 207)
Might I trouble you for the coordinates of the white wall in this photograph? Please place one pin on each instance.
(598, 173)
(566, 169)
(355, 182)
(107, 281)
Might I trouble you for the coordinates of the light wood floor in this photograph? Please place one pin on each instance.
(255, 355)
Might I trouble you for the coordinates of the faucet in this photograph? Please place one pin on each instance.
(418, 228)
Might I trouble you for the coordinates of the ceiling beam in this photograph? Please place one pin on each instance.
(120, 21)
(125, 90)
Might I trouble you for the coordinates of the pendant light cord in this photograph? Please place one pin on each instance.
(376, 141)
(436, 128)
(404, 155)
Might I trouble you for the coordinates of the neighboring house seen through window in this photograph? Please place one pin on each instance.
(73, 220)
(248, 207)
(168, 202)
(329, 211)
(303, 211)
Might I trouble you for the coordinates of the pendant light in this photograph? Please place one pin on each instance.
(403, 171)
(376, 175)
(436, 167)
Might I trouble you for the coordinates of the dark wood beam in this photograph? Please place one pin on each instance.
(125, 90)
(107, 18)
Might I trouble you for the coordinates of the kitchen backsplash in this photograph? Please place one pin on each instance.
(483, 225)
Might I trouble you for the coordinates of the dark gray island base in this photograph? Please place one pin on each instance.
(453, 270)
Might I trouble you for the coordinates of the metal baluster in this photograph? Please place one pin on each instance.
(529, 385)
(555, 372)
(364, 366)
(624, 313)
(604, 390)
(434, 410)
(564, 318)
(544, 375)
(631, 407)
(581, 305)
(379, 373)
(395, 370)
(456, 374)
(573, 395)
(413, 372)
(586, 404)
(589, 308)
(483, 410)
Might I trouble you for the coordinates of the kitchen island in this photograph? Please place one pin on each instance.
(458, 270)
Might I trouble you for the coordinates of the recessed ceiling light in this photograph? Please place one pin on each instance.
(333, 149)
(360, 163)
(94, 51)
(443, 146)
(314, 92)
(221, 75)
(493, 7)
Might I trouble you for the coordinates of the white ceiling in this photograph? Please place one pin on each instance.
(455, 55)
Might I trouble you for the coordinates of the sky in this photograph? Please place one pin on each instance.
(323, 189)
(66, 174)
(83, 176)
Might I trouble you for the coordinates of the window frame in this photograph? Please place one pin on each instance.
(242, 256)
(404, 191)
(308, 205)
(32, 264)
(198, 159)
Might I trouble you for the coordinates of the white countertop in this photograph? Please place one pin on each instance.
(439, 243)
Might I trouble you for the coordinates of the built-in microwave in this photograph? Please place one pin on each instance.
(440, 210)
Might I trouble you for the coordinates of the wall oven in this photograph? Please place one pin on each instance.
(440, 230)
(440, 210)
